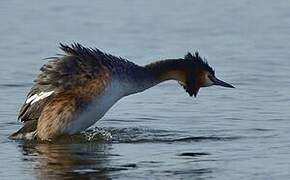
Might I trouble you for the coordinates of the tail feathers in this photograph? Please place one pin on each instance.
(28, 131)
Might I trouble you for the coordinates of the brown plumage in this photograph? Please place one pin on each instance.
(66, 106)
(76, 89)
(75, 80)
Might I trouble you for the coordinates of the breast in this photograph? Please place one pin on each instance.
(97, 108)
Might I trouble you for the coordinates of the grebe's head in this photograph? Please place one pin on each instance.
(198, 73)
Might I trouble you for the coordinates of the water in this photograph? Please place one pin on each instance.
(240, 133)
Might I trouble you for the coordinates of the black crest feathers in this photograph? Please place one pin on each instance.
(198, 61)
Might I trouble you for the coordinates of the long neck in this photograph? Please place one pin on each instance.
(137, 79)
(169, 69)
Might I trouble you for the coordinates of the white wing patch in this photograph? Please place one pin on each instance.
(36, 97)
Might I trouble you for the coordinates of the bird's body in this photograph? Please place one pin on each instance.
(75, 90)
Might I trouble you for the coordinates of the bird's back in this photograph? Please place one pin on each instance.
(81, 74)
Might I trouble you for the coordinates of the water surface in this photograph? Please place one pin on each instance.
(160, 133)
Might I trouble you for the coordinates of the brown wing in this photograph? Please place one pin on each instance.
(64, 107)
(56, 111)
(60, 74)
(77, 67)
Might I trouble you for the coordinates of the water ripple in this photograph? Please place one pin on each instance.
(139, 135)
(193, 154)
(7, 85)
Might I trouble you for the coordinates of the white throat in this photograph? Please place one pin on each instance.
(208, 81)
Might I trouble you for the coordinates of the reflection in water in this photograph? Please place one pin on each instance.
(244, 131)
(89, 156)
(59, 161)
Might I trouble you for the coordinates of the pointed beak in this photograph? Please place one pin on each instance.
(218, 82)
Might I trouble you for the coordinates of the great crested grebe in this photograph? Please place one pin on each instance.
(76, 89)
